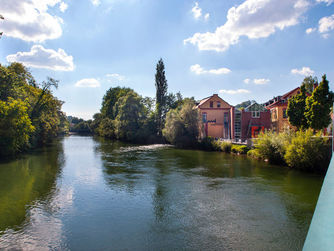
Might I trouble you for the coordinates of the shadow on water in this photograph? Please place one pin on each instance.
(26, 181)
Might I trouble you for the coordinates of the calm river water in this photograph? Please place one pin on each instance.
(83, 193)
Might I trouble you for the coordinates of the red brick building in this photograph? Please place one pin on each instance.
(249, 122)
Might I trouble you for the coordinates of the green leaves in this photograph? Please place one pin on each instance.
(318, 106)
(313, 111)
(29, 114)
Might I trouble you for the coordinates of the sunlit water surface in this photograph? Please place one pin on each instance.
(83, 193)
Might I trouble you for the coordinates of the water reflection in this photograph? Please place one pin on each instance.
(27, 193)
(88, 193)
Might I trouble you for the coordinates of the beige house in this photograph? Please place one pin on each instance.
(278, 107)
(217, 117)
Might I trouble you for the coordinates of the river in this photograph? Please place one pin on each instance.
(85, 193)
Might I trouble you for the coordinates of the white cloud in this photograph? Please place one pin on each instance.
(88, 82)
(253, 19)
(310, 30)
(233, 92)
(63, 6)
(115, 77)
(29, 20)
(96, 2)
(197, 11)
(329, 2)
(326, 24)
(305, 71)
(197, 69)
(261, 81)
(39, 57)
(246, 80)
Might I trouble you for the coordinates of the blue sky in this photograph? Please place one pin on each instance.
(253, 49)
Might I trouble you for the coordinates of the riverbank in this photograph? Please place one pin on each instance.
(301, 150)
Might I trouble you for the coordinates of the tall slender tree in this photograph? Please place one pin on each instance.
(318, 106)
(161, 95)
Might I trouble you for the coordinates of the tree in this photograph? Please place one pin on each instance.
(296, 109)
(309, 83)
(161, 95)
(15, 126)
(110, 99)
(318, 106)
(130, 114)
(181, 126)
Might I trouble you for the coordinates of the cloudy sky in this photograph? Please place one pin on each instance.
(253, 49)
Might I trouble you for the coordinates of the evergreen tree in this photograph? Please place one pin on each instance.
(161, 95)
(318, 106)
(296, 109)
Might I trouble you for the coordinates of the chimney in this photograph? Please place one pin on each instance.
(315, 86)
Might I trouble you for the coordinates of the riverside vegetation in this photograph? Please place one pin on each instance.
(31, 116)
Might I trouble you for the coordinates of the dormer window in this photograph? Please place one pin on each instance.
(218, 104)
(211, 104)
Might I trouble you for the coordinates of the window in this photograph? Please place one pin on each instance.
(273, 114)
(211, 104)
(285, 115)
(204, 118)
(218, 104)
(255, 114)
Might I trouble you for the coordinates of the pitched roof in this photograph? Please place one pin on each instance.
(201, 102)
(281, 99)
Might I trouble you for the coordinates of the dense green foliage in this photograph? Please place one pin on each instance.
(272, 146)
(296, 109)
(161, 95)
(313, 111)
(309, 83)
(240, 149)
(308, 151)
(125, 115)
(318, 106)
(254, 153)
(301, 150)
(15, 126)
(30, 115)
(181, 126)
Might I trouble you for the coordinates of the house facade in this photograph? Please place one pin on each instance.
(278, 107)
(253, 119)
(217, 118)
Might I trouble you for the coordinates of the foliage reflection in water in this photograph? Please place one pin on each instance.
(87, 193)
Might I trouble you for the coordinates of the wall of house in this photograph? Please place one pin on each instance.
(246, 117)
(217, 129)
(279, 123)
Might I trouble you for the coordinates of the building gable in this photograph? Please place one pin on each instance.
(216, 100)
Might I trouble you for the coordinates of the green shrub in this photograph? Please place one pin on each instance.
(308, 152)
(272, 146)
(241, 149)
(254, 153)
(207, 144)
(225, 146)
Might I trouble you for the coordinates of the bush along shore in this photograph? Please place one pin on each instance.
(303, 150)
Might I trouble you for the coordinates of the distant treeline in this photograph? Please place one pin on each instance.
(29, 114)
(127, 116)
